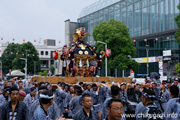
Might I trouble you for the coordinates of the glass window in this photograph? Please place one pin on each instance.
(161, 16)
(101, 18)
(172, 10)
(42, 52)
(137, 19)
(117, 12)
(123, 12)
(111, 12)
(46, 53)
(130, 19)
(145, 17)
(166, 15)
(106, 15)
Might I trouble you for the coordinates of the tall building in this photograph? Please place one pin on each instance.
(70, 27)
(150, 22)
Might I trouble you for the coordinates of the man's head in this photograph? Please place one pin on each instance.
(114, 90)
(6, 90)
(176, 81)
(14, 94)
(66, 88)
(154, 85)
(84, 86)
(174, 91)
(137, 87)
(94, 87)
(33, 91)
(20, 84)
(78, 90)
(71, 88)
(81, 84)
(88, 86)
(148, 96)
(41, 89)
(115, 109)
(87, 101)
(46, 97)
(123, 86)
(22, 95)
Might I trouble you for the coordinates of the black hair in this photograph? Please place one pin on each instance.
(149, 92)
(41, 83)
(20, 82)
(84, 85)
(174, 90)
(44, 100)
(94, 85)
(33, 88)
(113, 100)
(115, 90)
(103, 82)
(85, 95)
(80, 83)
(42, 87)
(13, 89)
(78, 89)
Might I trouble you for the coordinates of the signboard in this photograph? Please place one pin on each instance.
(167, 53)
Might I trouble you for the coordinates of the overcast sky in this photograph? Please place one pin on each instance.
(37, 19)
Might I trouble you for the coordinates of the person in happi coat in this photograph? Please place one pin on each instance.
(123, 96)
(114, 94)
(174, 92)
(4, 97)
(68, 98)
(152, 111)
(156, 90)
(14, 109)
(75, 103)
(53, 111)
(30, 98)
(164, 96)
(46, 100)
(86, 113)
(134, 95)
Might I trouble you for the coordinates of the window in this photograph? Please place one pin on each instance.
(46, 52)
(42, 52)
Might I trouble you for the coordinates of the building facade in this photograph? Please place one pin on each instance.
(70, 27)
(45, 52)
(150, 22)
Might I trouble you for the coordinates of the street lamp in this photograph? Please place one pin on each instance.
(25, 66)
(147, 51)
(105, 56)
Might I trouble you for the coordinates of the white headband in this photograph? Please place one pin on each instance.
(46, 96)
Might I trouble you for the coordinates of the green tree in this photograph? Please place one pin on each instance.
(29, 51)
(44, 73)
(177, 66)
(117, 37)
(8, 56)
(177, 19)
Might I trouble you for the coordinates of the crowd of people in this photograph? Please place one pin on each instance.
(153, 100)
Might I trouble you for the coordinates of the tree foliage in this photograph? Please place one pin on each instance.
(117, 37)
(13, 61)
(177, 19)
(177, 66)
(8, 56)
(52, 69)
(44, 73)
